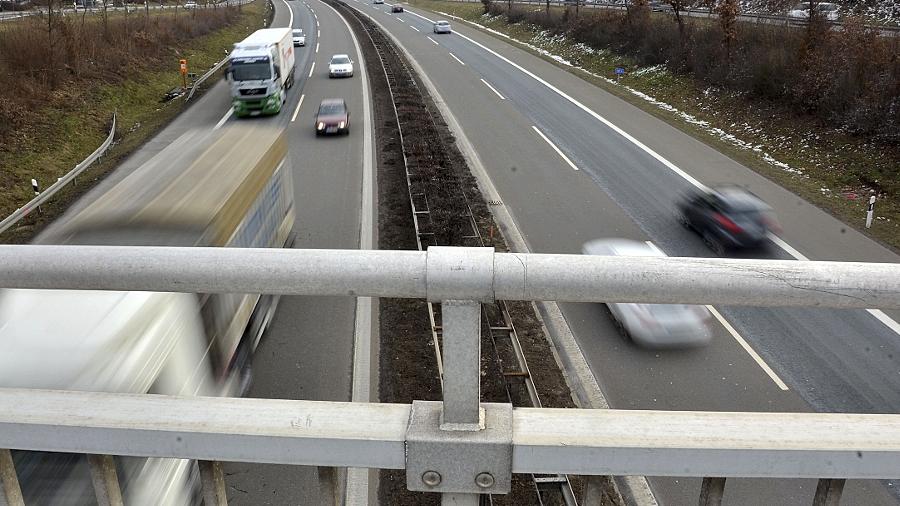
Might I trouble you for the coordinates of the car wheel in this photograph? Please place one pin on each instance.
(713, 243)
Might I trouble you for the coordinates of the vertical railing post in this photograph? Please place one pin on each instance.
(106, 482)
(461, 321)
(461, 447)
(10, 492)
(461, 350)
(212, 481)
(711, 491)
(829, 491)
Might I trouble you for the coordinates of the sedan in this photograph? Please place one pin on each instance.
(653, 325)
(340, 66)
(396, 8)
(332, 117)
(299, 37)
(728, 217)
(442, 27)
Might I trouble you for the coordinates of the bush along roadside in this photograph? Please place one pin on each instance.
(811, 152)
(60, 97)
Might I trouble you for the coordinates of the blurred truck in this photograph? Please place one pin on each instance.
(228, 188)
(260, 71)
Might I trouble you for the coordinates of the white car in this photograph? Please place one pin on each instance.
(830, 11)
(190, 5)
(653, 325)
(377, 2)
(299, 37)
(340, 66)
(442, 27)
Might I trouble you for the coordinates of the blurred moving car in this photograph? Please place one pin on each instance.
(728, 217)
(340, 66)
(396, 8)
(190, 5)
(830, 11)
(226, 188)
(299, 37)
(653, 325)
(660, 6)
(333, 117)
(442, 27)
(377, 2)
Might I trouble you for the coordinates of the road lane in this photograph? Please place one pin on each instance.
(307, 352)
(627, 192)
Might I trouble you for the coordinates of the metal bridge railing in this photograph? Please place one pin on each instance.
(461, 446)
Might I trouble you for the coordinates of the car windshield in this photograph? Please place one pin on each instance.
(251, 71)
(331, 109)
(340, 60)
(443, 23)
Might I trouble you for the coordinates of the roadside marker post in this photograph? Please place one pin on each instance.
(871, 212)
(37, 191)
(184, 71)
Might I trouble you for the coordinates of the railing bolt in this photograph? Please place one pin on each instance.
(484, 480)
(431, 478)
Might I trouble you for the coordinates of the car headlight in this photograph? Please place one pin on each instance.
(320, 126)
(341, 125)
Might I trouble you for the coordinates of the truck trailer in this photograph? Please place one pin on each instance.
(226, 188)
(260, 71)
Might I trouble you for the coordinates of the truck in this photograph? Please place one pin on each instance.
(260, 71)
(225, 188)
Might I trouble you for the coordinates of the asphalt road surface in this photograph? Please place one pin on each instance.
(593, 181)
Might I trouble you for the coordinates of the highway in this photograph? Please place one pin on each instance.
(573, 163)
(307, 351)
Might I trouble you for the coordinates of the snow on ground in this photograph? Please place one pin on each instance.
(544, 37)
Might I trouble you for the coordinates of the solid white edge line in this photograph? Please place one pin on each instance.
(291, 22)
(311, 68)
(357, 490)
(421, 16)
(878, 314)
(414, 28)
(493, 89)
(432, 40)
(224, 119)
(297, 110)
(750, 351)
(558, 151)
(457, 59)
(737, 337)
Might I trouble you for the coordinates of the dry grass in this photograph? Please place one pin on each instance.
(48, 124)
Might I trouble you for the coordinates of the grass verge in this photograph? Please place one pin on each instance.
(60, 136)
(825, 166)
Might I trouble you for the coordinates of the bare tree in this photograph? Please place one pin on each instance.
(728, 12)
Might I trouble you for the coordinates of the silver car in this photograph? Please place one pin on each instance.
(653, 325)
(442, 27)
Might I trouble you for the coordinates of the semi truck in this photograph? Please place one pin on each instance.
(225, 188)
(260, 71)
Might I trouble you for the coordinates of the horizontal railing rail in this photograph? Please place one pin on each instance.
(460, 447)
(488, 276)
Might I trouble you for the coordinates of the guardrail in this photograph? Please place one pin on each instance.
(459, 447)
(204, 77)
(45, 195)
(691, 12)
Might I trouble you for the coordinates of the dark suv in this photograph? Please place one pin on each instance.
(728, 217)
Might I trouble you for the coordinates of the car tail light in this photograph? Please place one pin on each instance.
(727, 224)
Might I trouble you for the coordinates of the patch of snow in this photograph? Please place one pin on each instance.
(689, 118)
